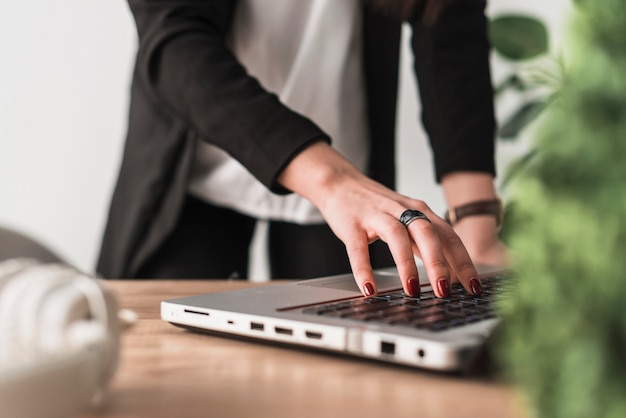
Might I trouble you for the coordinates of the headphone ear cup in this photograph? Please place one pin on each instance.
(59, 339)
(82, 315)
(39, 284)
(23, 290)
(11, 266)
(87, 334)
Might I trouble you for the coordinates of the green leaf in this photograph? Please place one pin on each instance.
(518, 37)
(521, 118)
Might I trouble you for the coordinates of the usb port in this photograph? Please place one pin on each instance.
(284, 331)
(257, 326)
(313, 335)
(387, 347)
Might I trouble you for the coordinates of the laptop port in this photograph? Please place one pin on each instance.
(257, 326)
(313, 335)
(387, 347)
(196, 312)
(283, 331)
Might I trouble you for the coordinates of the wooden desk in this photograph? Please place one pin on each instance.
(168, 372)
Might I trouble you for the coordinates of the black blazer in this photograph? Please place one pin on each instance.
(188, 87)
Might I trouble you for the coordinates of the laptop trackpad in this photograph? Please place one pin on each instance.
(384, 281)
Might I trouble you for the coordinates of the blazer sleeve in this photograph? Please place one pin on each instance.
(453, 71)
(186, 68)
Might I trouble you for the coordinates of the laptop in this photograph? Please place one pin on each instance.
(331, 314)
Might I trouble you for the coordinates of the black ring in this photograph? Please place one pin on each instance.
(410, 215)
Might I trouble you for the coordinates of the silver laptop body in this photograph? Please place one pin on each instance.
(285, 313)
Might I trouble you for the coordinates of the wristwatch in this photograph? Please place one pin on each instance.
(492, 207)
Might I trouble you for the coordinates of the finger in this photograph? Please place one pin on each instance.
(426, 238)
(416, 252)
(399, 243)
(460, 261)
(359, 257)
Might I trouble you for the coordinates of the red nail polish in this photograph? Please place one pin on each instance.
(475, 286)
(369, 289)
(444, 288)
(414, 286)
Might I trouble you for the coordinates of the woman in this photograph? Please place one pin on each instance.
(234, 106)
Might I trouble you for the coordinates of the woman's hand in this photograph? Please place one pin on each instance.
(478, 233)
(480, 237)
(360, 211)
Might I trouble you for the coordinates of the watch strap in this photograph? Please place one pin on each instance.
(492, 207)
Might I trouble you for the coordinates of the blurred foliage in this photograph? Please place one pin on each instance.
(563, 337)
(518, 38)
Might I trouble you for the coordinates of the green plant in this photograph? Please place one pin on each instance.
(564, 327)
(519, 38)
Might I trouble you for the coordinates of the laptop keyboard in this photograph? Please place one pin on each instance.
(424, 312)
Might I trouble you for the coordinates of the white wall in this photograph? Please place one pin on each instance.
(64, 79)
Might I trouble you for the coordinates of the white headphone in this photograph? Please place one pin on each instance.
(59, 339)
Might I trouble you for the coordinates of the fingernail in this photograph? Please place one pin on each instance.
(444, 288)
(369, 289)
(475, 286)
(414, 286)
